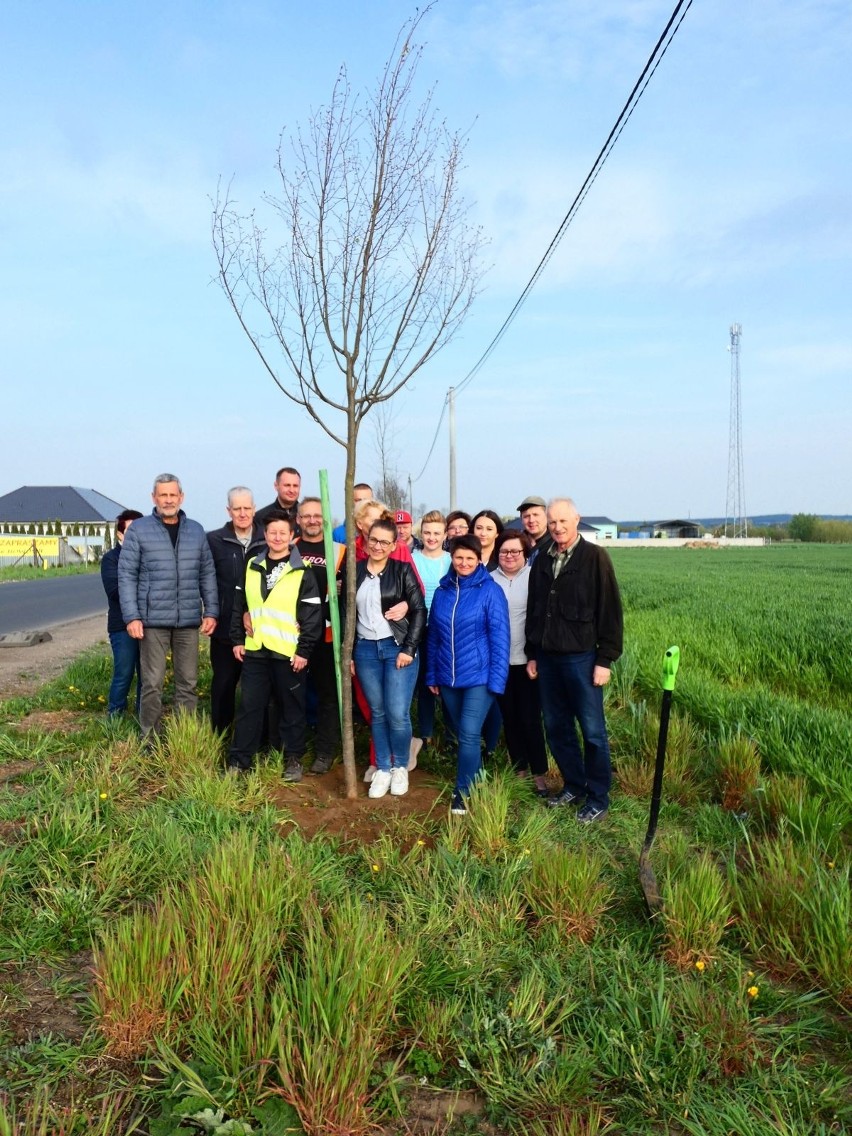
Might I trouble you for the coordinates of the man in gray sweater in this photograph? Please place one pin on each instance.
(167, 589)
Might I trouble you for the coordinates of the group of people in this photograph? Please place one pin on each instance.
(514, 626)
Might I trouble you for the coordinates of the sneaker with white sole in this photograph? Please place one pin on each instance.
(399, 781)
(416, 746)
(588, 814)
(380, 783)
(369, 774)
(458, 807)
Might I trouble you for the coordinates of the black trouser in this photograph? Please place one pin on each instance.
(266, 674)
(522, 722)
(321, 669)
(223, 688)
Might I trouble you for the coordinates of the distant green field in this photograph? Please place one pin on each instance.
(28, 572)
(766, 645)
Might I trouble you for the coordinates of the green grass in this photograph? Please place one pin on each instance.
(10, 573)
(254, 981)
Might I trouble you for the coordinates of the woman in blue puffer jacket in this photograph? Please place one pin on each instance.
(468, 653)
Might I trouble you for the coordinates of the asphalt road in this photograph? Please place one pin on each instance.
(32, 605)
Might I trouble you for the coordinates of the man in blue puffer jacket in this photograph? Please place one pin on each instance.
(468, 652)
(167, 589)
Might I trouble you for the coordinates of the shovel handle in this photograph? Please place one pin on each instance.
(670, 665)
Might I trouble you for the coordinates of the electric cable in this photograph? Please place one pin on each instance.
(654, 60)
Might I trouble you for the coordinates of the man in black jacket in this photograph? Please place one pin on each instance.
(232, 546)
(288, 486)
(574, 635)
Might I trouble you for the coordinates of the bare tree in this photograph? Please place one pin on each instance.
(378, 267)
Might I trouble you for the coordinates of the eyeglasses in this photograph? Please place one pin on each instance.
(379, 543)
(511, 552)
(310, 516)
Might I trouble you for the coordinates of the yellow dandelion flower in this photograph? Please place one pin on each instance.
(72, 688)
(82, 703)
(375, 867)
(101, 698)
(104, 796)
(753, 991)
(750, 974)
(831, 863)
(700, 965)
(422, 843)
(369, 895)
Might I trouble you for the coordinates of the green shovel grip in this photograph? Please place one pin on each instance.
(671, 660)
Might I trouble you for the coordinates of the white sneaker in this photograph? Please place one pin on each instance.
(380, 783)
(416, 746)
(399, 781)
(369, 774)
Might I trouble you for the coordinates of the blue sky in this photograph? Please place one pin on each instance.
(727, 199)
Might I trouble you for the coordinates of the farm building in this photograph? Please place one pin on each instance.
(604, 528)
(687, 530)
(83, 518)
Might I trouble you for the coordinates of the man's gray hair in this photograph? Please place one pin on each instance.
(167, 479)
(239, 490)
(563, 501)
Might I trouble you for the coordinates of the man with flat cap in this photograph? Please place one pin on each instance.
(533, 513)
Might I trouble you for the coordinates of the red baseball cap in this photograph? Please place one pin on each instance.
(402, 518)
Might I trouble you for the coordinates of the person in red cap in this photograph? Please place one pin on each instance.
(403, 527)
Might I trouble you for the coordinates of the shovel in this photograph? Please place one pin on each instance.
(653, 899)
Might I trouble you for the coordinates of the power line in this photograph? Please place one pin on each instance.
(641, 84)
(654, 60)
(434, 440)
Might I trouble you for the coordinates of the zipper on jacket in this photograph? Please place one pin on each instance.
(453, 631)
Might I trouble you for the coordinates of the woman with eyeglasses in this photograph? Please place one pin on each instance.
(385, 655)
(519, 703)
(468, 653)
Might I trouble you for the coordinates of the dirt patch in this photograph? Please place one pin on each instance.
(33, 1004)
(14, 770)
(64, 721)
(319, 804)
(24, 669)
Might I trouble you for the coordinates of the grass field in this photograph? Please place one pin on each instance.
(177, 957)
(10, 573)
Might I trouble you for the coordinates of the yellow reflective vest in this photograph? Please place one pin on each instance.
(273, 619)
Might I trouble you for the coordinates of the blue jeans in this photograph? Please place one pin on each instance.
(389, 690)
(569, 698)
(468, 708)
(125, 663)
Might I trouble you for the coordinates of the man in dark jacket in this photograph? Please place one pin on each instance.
(288, 486)
(167, 589)
(232, 547)
(574, 635)
(533, 517)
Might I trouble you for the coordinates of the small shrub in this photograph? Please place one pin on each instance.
(795, 909)
(564, 887)
(737, 772)
(333, 1008)
(696, 910)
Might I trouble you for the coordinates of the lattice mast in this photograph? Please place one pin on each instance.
(736, 521)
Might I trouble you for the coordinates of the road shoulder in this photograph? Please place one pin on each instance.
(24, 669)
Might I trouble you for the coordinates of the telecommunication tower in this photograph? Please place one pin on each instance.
(736, 521)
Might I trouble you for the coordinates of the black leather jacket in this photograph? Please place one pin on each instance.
(399, 582)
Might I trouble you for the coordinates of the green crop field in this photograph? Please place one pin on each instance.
(178, 956)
